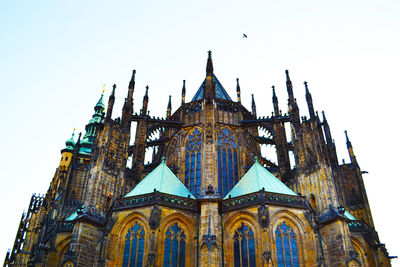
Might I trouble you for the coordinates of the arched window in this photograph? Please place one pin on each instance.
(286, 246)
(244, 248)
(174, 247)
(134, 247)
(228, 167)
(193, 162)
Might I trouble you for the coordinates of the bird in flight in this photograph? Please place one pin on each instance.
(244, 35)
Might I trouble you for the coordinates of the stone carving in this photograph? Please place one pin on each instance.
(210, 190)
(155, 217)
(209, 239)
(209, 135)
(263, 216)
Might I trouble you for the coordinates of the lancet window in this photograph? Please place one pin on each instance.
(134, 247)
(228, 167)
(174, 247)
(193, 162)
(244, 248)
(286, 246)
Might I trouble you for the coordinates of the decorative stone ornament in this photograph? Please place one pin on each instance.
(263, 216)
(155, 217)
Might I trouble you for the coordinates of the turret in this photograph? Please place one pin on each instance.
(110, 105)
(238, 90)
(145, 101)
(91, 127)
(66, 153)
(183, 92)
(309, 102)
(275, 102)
(169, 107)
(253, 106)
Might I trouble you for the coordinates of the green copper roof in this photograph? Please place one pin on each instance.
(100, 102)
(70, 143)
(255, 180)
(72, 217)
(163, 180)
(349, 216)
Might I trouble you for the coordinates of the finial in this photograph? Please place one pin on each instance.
(306, 85)
(287, 75)
(104, 88)
(132, 82)
(163, 160)
(147, 90)
(273, 90)
(347, 137)
(183, 91)
(209, 68)
(113, 90)
(256, 159)
(323, 116)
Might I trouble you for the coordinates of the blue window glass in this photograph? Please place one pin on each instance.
(174, 247)
(228, 167)
(134, 247)
(286, 246)
(193, 162)
(244, 249)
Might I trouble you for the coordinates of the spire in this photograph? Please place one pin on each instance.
(323, 117)
(169, 107)
(309, 101)
(289, 87)
(209, 68)
(253, 106)
(275, 102)
(145, 101)
(131, 85)
(110, 105)
(350, 148)
(70, 143)
(183, 92)
(327, 130)
(238, 90)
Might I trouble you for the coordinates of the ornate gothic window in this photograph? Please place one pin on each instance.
(244, 248)
(286, 246)
(193, 162)
(134, 247)
(228, 167)
(174, 247)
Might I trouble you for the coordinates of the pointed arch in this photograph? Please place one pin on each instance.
(228, 160)
(193, 145)
(287, 235)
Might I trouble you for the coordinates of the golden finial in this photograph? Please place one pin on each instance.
(74, 129)
(104, 87)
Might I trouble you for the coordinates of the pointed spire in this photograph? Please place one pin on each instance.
(253, 106)
(131, 86)
(323, 117)
(238, 90)
(183, 92)
(169, 107)
(209, 68)
(275, 102)
(350, 149)
(289, 87)
(309, 101)
(110, 106)
(145, 101)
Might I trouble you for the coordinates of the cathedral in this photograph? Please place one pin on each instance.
(209, 196)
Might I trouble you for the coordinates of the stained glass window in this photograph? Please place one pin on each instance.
(228, 166)
(174, 247)
(193, 162)
(134, 247)
(286, 246)
(244, 248)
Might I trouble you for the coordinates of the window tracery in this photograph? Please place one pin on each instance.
(174, 247)
(228, 167)
(134, 247)
(193, 162)
(244, 249)
(286, 246)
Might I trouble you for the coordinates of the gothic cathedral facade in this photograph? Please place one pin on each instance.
(208, 197)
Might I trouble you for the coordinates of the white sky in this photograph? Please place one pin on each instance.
(55, 57)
